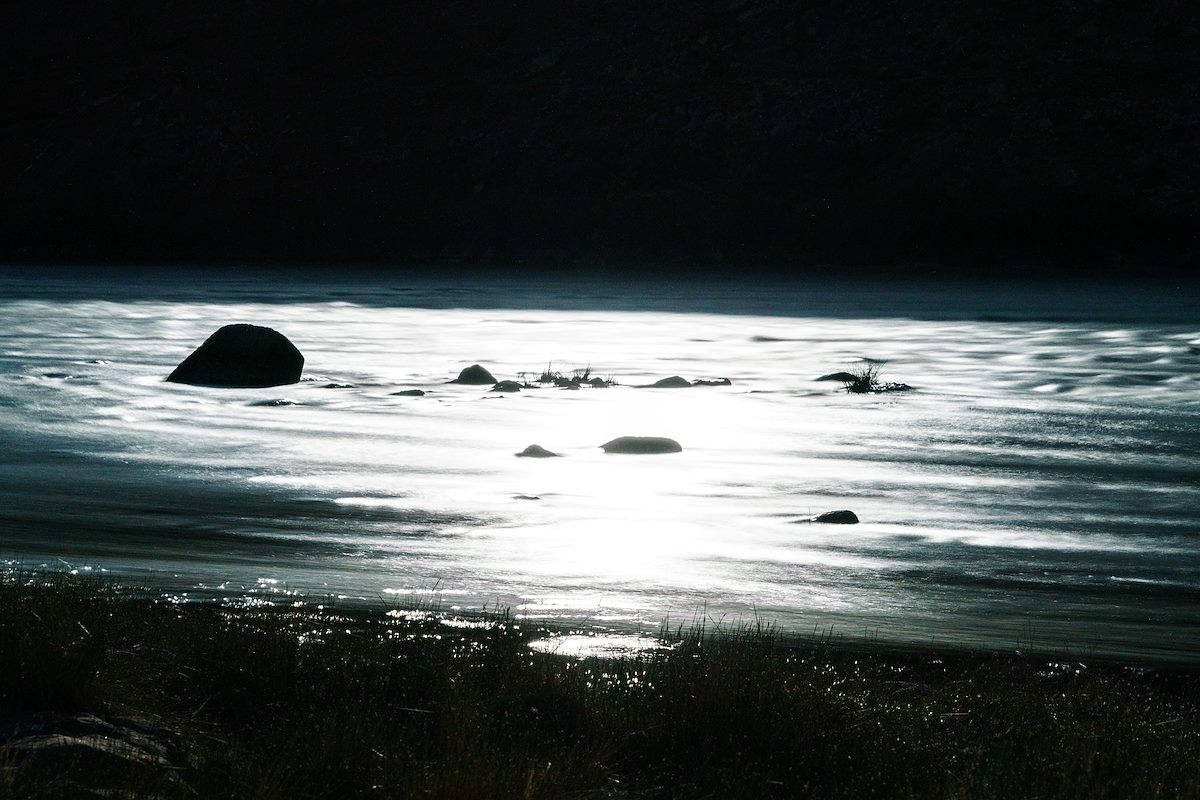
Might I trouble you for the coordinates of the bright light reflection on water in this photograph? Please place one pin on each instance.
(1042, 476)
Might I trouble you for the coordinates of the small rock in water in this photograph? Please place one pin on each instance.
(712, 382)
(673, 382)
(840, 377)
(474, 375)
(506, 386)
(339, 386)
(241, 356)
(642, 445)
(409, 393)
(842, 517)
(536, 451)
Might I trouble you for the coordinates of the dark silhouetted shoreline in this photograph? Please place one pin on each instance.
(741, 134)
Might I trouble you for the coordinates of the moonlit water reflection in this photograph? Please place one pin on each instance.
(1042, 481)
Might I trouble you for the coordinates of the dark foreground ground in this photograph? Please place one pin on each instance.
(749, 132)
(101, 691)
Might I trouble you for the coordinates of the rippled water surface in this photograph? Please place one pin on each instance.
(1040, 486)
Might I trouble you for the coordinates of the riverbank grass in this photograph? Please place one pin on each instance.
(300, 703)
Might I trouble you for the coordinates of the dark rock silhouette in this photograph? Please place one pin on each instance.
(506, 386)
(642, 445)
(409, 393)
(841, 517)
(242, 356)
(475, 375)
(676, 382)
(536, 451)
(673, 382)
(840, 377)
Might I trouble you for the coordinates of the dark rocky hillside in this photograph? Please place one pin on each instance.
(739, 131)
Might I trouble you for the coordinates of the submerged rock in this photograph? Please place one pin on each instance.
(242, 356)
(274, 403)
(712, 382)
(475, 375)
(642, 445)
(506, 386)
(409, 393)
(536, 451)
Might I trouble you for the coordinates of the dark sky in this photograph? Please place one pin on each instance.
(743, 134)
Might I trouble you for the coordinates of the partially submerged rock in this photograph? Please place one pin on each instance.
(475, 375)
(642, 445)
(241, 356)
(840, 377)
(678, 382)
(673, 382)
(409, 393)
(536, 451)
(274, 403)
(506, 386)
(842, 517)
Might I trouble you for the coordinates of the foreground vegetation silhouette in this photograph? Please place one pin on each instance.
(299, 703)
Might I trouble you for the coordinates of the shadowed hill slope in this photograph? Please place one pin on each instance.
(634, 130)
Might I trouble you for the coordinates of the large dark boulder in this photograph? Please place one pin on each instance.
(642, 445)
(243, 356)
(475, 375)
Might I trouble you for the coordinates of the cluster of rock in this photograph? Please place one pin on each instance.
(252, 356)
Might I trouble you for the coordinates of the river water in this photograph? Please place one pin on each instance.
(1039, 487)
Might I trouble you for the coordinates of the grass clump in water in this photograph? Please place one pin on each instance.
(864, 379)
(579, 377)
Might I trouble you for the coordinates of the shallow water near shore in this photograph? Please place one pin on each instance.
(1040, 487)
